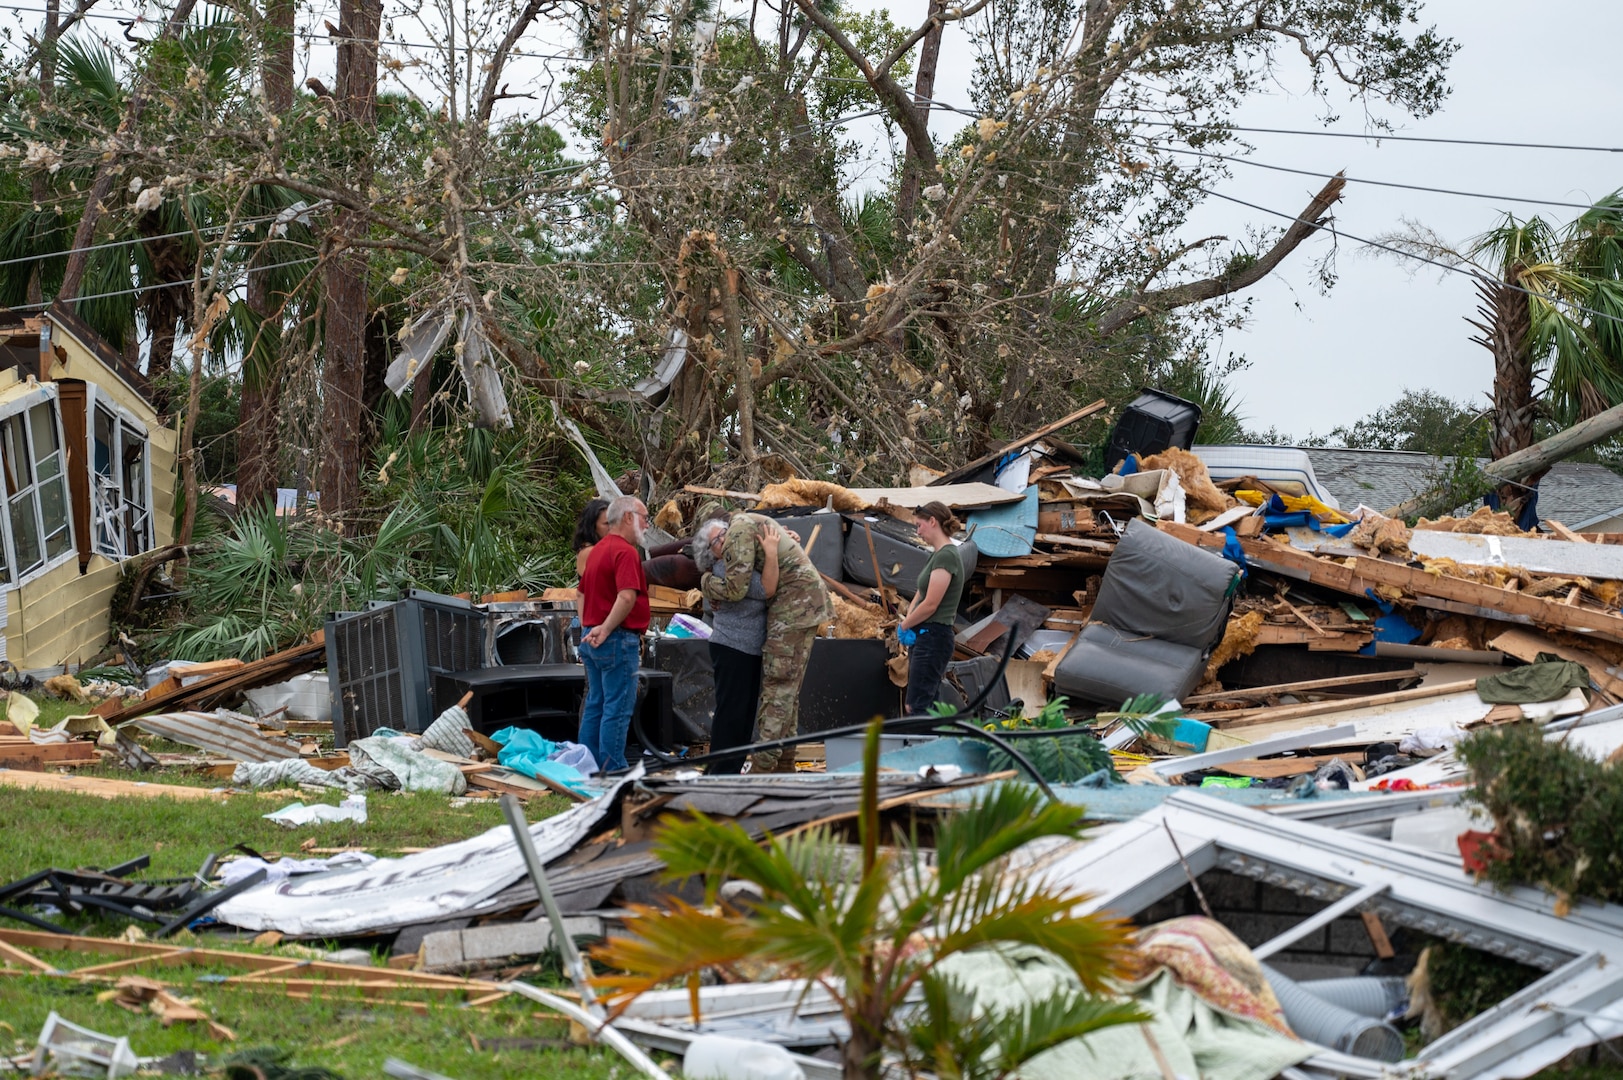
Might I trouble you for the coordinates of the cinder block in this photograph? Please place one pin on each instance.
(1350, 937)
(1256, 928)
(1283, 901)
(1229, 892)
(450, 950)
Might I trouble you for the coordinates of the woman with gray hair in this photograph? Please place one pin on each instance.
(737, 637)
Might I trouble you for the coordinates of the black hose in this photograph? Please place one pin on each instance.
(921, 724)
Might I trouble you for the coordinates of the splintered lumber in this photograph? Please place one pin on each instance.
(1525, 645)
(101, 787)
(1437, 591)
(1272, 714)
(21, 753)
(1273, 768)
(272, 669)
(1334, 641)
(1306, 684)
(264, 970)
(1018, 444)
(1076, 542)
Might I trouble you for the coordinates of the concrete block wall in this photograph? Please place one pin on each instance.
(1258, 912)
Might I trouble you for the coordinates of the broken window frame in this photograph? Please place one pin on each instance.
(120, 515)
(27, 490)
(1135, 863)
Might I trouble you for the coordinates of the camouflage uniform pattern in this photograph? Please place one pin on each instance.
(800, 608)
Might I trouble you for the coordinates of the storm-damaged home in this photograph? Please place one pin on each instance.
(89, 482)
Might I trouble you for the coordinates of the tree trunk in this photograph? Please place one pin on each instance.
(1508, 335)
(923, 90)
(743, 380)
(47, 94)
(344, 363)
(259, 416)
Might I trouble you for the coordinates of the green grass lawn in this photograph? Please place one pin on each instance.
(341, 1032)
(350, 1036)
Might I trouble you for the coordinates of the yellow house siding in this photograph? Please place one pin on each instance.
(60, 617)
(163, 444)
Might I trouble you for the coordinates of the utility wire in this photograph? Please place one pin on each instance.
(141, 240)
(1390, 138)
(1474, 275)
(1375, 183)
(151, 288)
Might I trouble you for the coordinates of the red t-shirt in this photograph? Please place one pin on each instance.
(613, 565)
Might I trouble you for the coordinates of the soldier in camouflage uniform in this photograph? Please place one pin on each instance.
(796, 613)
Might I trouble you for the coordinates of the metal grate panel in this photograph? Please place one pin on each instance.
(383, 661)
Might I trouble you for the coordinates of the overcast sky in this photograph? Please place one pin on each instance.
(1545, 73)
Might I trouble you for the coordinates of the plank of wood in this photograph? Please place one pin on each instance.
(171, 956)
(1377, 934)
(1525, 645)
(100, 787)
(1439, 591)
(722, 493)
(1276, 713)
(207, 667)
(1020, 443)
(1277, 634)
(1053, 665)
(1076, 542)
(1306, 684)
(273, 668)
(491, 783)
(25, 755)
(845, 590)
(1563, 532)
(1273, 768)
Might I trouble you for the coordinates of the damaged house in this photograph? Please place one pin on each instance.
(90, 481)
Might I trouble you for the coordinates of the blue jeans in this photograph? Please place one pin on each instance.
(611, 694)
(927, 660)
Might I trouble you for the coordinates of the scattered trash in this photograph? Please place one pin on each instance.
(71, 1050)
(294, 815)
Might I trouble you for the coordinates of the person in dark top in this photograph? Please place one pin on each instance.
(927, 627)
(737, 638)
(588, 531)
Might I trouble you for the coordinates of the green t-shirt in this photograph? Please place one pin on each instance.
(945, 559)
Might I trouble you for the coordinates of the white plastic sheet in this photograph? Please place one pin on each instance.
(446, 881)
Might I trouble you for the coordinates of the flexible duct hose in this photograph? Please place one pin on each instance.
(1319, 1021)
(1377, 996)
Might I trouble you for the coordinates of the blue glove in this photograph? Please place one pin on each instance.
(907, 637)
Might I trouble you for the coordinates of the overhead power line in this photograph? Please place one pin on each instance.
(1375, 183)
(1475, 275)
(150, 288)
(1381, 136)
(143, 239)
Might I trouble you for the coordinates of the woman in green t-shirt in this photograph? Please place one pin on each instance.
(927, 629)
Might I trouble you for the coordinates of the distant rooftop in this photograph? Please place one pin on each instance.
(1577, 494)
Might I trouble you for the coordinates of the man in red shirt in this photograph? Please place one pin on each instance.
(614, 613)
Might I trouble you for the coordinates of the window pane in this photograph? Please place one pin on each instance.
(25, 533)
(43, 419)
(105, 429)
(15, 449)
(53, 506)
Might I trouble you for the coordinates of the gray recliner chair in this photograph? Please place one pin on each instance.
(1162, 608)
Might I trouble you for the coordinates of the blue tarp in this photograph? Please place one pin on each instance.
(1004, 532)
(526, 752)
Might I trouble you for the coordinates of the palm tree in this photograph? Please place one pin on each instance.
(871, 929)
(1552, 308)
